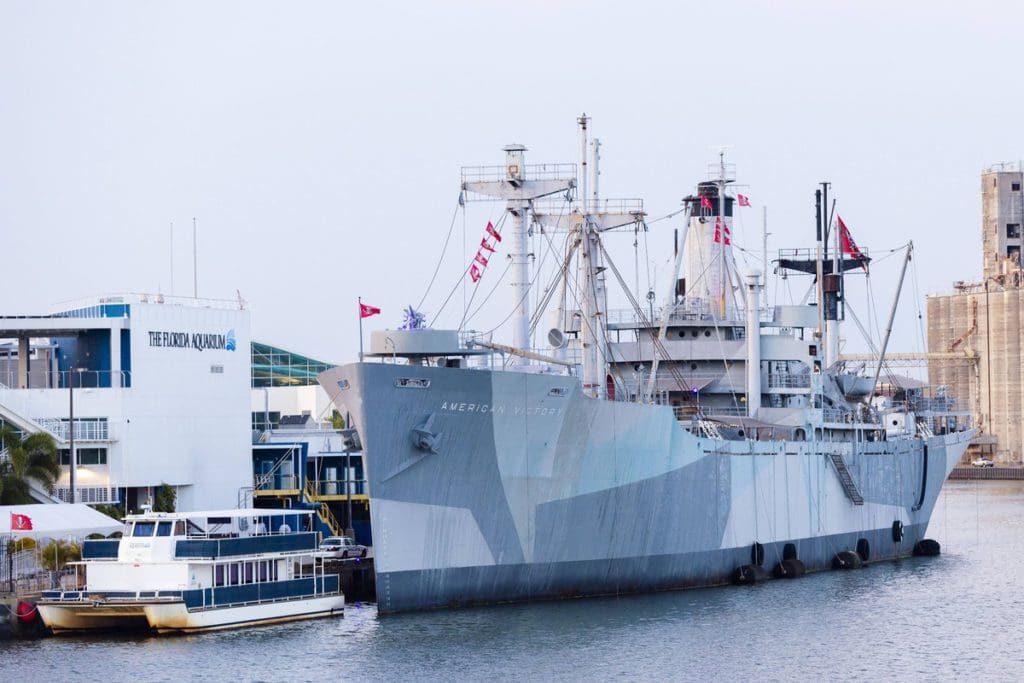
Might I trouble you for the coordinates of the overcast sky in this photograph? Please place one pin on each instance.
(319, 144)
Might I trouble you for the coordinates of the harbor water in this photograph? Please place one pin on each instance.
(957, 616)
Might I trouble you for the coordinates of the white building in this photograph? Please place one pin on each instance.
(161, 390)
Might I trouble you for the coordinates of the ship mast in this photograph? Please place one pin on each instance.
(519, 188)
(587, 221)
(594, 322)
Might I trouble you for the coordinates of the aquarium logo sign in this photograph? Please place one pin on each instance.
(199, 341)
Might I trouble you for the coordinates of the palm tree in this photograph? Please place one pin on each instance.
(23, 458)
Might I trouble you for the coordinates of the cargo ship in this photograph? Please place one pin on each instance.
(707, 440)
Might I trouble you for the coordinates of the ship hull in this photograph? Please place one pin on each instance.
(500, 486)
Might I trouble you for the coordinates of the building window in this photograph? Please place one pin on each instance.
(1013, 231)
(1013, 253)
(1015, 187)
(84, 456)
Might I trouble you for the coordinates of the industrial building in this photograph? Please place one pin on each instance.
(981, 323)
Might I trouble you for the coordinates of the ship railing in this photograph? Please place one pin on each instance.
(557, 207)
(837, 415)
(92, 596)
(724, 411)
(477, 174)
(805, 254)
(789, 380)
(256, 545)
(1004, 167)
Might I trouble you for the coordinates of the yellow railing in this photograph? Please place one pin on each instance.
(323, 510)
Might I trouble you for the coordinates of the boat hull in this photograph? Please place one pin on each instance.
(177, 617)
(499, 486)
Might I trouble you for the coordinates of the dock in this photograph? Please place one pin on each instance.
(968, 472)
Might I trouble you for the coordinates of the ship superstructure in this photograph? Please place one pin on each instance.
(709, 438)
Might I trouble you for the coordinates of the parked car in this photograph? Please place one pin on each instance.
(341, 548)
(982, 462)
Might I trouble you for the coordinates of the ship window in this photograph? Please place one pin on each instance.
(179, 528)
(1015, 187)
(233, 569)
(263, 570)
(248, 572)
(143, 529)
(163, 529)
(695, 332)
(707, 333)
(1013, 231)
(693, 366)
(558, 391)
(218, 575)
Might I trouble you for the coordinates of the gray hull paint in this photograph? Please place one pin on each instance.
(534, 491)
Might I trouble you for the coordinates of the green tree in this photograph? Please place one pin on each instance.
(26, 457)
(165, 499)
(113, 511)
(56, 554)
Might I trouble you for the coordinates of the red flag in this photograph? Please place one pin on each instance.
(705, 203)
(743, 199)
(849, 246)
(20, 522)
(722, 233)
(366, 310)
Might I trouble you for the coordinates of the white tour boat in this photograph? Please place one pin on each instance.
(197, 571)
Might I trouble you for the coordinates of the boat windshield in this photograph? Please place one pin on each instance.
(163, 529)
(143, 528)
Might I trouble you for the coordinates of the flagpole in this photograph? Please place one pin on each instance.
(360, 329)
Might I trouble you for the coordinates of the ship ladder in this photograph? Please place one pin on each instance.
(924, 430)
(846, 479)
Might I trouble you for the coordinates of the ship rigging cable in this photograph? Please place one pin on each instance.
(462, 277)
(444, 250)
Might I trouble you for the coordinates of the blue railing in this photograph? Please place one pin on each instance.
(261, 592)
(100, 549)
(255, 545)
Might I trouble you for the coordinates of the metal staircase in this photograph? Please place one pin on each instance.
(709, 429)
(323, 511)
(846, 479)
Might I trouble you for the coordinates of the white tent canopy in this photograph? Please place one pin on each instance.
(57, 521)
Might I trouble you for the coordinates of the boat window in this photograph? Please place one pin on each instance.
(163, 529)
(263, 570)
(143, 528)
(234, 574)
(179, 528)
(218, 575)
(248, 572)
